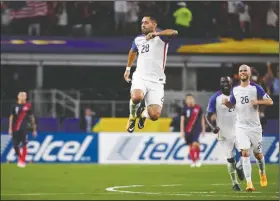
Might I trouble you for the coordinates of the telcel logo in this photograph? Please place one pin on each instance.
(55, 151)
(175, 150)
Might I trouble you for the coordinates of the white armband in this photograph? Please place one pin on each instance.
(128, 68)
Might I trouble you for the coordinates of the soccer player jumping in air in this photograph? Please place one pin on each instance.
(148, 80)
(18, 126)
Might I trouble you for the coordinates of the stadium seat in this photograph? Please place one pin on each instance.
(272, 126)
(48, 124)
(71, 125)
(4, 125)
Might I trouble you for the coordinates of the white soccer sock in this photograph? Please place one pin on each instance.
(261, 164)
(133, 108)
(247, 168)
(232, 173)
(239, 163)
(145, 114)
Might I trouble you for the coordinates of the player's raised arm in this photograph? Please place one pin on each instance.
(167, 32)
(131, 58)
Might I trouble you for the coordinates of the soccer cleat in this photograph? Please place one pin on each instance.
(141, 122)
(192, 165)
(263, 179)
(21, 164)
(236, 187)
(198, 163)
(130, 125)
(250, 187)
(240, 173)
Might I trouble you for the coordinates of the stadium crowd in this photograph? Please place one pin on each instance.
(107, 18)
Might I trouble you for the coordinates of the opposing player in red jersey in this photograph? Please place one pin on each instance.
(192, 123)
(18, 126)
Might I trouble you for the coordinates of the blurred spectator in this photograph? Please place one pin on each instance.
(5, 19)
(272, 22)
(234, 8)
(133, 12)
(245, 20)
(256, 77)
(207, 19)
(198, 19)
(183, 18)
(121, 16)
(271, 80)
(62, 19)
(91, 18)
(175, 123)
(87, 120)
(76, 18)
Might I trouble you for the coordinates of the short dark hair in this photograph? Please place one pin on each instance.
(152, 17)
(189, 95)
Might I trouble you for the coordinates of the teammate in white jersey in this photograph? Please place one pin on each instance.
(148, 80)
(246, 98)
(225, 128)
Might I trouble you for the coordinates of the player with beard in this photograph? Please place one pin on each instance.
(246, 98)
(148, 80)
(225, 128)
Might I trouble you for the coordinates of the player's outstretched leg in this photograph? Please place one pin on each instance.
(232, 174)
(261, 164)
(247, 169)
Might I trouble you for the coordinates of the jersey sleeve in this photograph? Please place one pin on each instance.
(134, 47)
(211, 108)
(183, 112)
(165, 39)
(232, 99)
(200, 112)
(30, 111)
(261, 93)
(13, 110)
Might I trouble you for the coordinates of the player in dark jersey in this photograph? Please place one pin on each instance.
(192, 123)
(20, 117)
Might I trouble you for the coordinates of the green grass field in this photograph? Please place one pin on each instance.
(129, 182)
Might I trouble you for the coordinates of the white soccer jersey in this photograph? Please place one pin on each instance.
(247, 115)
(151, 58)
(225, 117)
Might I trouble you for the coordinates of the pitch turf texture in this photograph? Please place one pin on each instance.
(129, 182)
